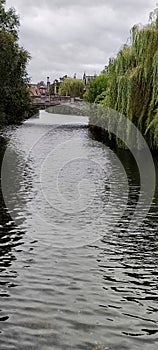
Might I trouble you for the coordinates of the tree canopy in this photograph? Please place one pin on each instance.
(72, 87)
(96, 87)
(14, 94)
(132, 84)
(9, 20)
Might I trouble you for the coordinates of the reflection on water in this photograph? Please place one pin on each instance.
(104, 290)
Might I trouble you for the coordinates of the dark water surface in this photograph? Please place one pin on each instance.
(71, 273)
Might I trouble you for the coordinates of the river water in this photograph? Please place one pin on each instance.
(72, 275)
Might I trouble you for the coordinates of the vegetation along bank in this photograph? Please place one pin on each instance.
(129, 84)
(15, 104)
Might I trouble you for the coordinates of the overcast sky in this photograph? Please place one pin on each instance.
(70, 36)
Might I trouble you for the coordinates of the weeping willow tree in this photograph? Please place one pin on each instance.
(72, 87)
(133, 80)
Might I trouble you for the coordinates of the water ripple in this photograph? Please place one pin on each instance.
(53, 297)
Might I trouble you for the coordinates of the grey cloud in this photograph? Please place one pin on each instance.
(68, 36)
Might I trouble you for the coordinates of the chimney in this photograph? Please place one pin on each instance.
(48, 85)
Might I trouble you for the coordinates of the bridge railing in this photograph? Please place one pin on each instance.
(50, 99)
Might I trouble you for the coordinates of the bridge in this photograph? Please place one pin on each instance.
(43, 102)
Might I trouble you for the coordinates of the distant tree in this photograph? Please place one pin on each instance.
(96, 87)
(42, 83)
(72, 87)
(52, 86)
(63, 78)
(105, 70)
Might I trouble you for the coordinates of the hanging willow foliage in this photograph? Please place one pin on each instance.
(133, 80)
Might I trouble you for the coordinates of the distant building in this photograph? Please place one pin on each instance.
(36, 90)
(88, 78)
(39, 89)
